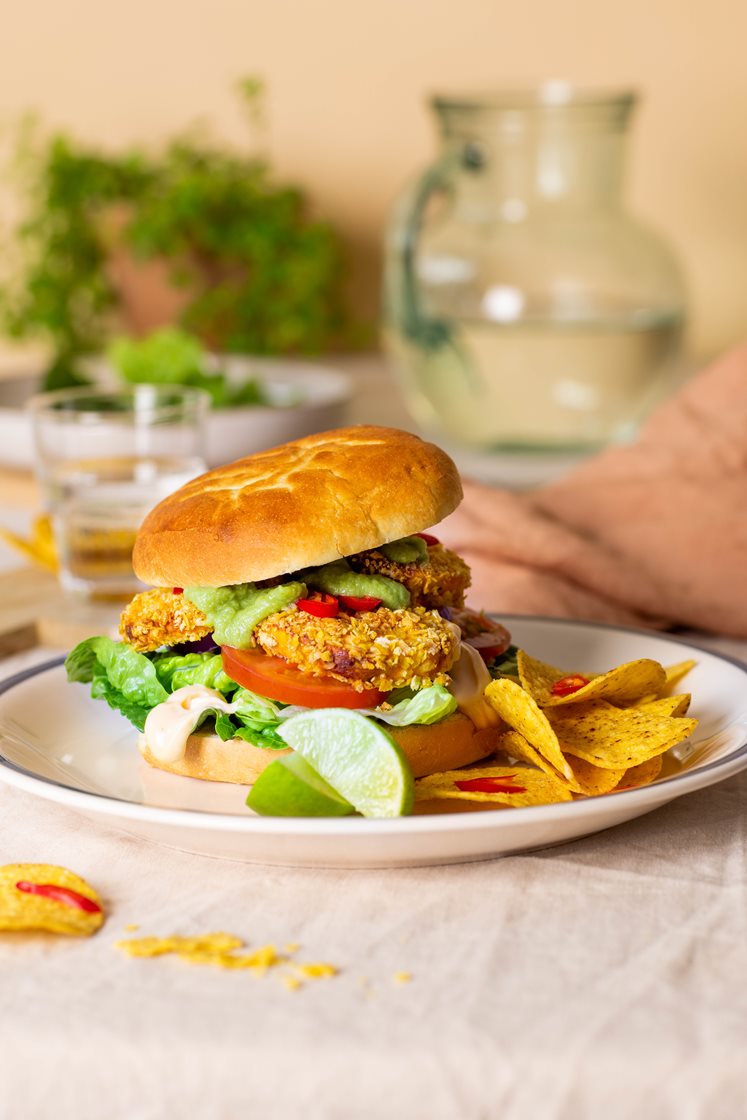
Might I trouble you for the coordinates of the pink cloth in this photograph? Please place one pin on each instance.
(654, 534)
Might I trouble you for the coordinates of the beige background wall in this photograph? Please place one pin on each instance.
(348, 80)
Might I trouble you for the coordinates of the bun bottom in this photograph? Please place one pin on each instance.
(447, 745)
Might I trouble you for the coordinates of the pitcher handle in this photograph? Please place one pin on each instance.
(429, 332)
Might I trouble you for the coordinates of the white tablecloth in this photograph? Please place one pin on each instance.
(605, 978)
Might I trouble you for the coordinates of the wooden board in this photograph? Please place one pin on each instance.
(19, 489)
(35, 611)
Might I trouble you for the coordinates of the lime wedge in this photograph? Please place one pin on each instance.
(289, 787)
(356, 757)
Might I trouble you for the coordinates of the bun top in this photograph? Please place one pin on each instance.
(299, 505)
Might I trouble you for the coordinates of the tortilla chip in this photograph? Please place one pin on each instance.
(585, 779)
(516, 746)
(668, 705)
(521, 711)
(21, 909)
(675, 673)
(623, 683)
(642, 774)
(514, 786)
(617, 738)
(537, 677)
(593, 780)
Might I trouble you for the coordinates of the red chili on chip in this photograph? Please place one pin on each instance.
(428, 538)
(490, 785)
(60, 894)
(568, 685)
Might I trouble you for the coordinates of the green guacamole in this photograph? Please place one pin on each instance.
(233, 612)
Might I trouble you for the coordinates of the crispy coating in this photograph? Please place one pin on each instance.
(440, 581)
(382, 649)
(160, 618)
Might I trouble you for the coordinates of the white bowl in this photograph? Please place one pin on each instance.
(306, 398)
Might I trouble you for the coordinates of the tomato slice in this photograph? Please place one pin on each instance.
(359, 602)
(276, 679)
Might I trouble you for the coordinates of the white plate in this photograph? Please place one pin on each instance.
(305, 398)
(58, 743)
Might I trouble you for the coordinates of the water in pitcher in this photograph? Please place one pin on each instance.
(541, 386)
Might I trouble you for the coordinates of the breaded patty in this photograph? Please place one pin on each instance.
(440, 581)
(373, 649)
(160, 618)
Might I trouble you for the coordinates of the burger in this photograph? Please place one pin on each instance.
(301, 577)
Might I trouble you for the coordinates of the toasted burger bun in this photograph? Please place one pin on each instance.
(300, 505)
(447, 745)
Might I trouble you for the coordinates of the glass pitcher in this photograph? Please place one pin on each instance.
(529, 318)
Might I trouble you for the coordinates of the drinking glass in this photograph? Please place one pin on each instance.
(104, 458)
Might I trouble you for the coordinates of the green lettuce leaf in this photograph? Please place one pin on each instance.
(126, 680)
(171, 356)
(256, 709)
(134, 683)
(267, 739)
(175, 671)
(255, 720)
(505, 665)
(427, 706)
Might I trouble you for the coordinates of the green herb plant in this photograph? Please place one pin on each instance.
(259, 275)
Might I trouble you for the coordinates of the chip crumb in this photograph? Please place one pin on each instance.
(259, 961)
(292, 947)
(220, 950)
(209, 944)
(318, 971)
(131, 928)
(292, 983)
(402, 977)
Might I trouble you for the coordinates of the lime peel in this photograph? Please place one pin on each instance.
(290, 787)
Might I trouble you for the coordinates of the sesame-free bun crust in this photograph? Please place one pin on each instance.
(214, 760)
(447, 745)
(299, 505)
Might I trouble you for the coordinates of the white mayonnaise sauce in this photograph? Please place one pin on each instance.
(169, 725)
(469, 679)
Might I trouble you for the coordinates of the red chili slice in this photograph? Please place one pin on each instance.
(567, 685)
(491, 785)
(324, 607)
(178, 590)
(60, 894)
(360, 602)
(428, 538)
